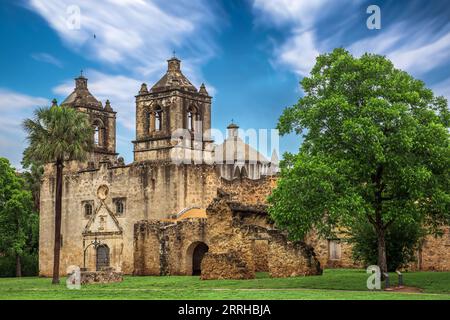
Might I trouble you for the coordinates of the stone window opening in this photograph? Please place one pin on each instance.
(99, 133)
(158, 119)
(119, 205)
(88, 209)
(334, 249)
(96, 135)
(191, 118)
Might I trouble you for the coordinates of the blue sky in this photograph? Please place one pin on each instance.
(250, 53)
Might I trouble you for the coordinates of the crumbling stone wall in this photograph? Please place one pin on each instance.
(241, 241)
(434, 253)
(244, 236)
(249, 191)
(290, 259)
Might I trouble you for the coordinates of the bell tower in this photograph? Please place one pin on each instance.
(103, 119)
(172, 105)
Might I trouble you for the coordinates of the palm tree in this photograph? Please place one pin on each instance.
(58, 134)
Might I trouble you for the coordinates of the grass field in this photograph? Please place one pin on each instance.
(333, 284)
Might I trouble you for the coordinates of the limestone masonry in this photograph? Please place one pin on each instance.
(164, 214)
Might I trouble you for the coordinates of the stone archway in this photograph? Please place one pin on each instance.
(102, 257)
(194, 257)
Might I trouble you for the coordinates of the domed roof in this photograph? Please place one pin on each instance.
(173, 78)
(234, 149)
(81, 95)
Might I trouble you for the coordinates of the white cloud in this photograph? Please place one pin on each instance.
(15, 107)
(47, 58)
(298, 12)
(11, 101)
(134, 35)
(299, 51)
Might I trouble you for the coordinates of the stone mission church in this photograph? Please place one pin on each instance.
(158, 217)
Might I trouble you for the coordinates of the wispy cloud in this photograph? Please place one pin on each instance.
(303, 13)
(300, 18)
(417, 46)
(47, 58)
(135, 35)
(15, 107)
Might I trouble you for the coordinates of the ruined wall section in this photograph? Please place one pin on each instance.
(249, 247)
(165, 247)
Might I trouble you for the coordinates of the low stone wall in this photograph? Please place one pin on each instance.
(226, 265)
(291, 259)
(90, 277)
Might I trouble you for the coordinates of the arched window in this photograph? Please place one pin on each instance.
(99, 133)
(158, 119)
(190, 120)
(191, 117)
(96, 135)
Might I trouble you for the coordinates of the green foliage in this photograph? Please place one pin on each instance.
(376, 149)
(30, 265)
(57, 133)
(18, 221)
(402, 242)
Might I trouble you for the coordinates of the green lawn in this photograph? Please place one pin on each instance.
(333, 284)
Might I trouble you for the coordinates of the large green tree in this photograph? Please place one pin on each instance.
(18, 220)
(375, 148)
(55, 135)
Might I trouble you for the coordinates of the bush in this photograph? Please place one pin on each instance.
(30, 265)
(401, 244)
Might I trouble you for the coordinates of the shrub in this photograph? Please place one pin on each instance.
(402, 241)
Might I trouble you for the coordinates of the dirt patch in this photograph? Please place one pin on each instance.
(404, 289)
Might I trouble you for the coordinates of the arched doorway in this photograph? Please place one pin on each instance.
(102, 260)
(197, 257)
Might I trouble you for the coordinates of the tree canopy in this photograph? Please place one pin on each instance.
(57, 133)
(18, 220)
(376, 148)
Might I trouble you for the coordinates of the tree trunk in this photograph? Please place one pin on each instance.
(58, 200)
(18, 266)
(378, 222)
(382, 262)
